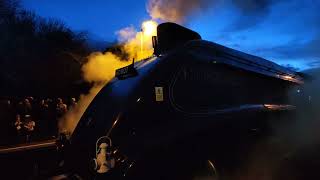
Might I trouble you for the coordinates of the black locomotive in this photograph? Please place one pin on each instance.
(186, 112)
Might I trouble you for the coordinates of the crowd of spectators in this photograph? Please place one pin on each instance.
(28, 119)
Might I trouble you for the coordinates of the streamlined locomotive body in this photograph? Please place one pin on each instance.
(179, 112)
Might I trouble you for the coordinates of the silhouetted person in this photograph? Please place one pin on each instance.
(18, 126)
(27, 107)
(44, 118)
(61, 111)
(52, 117)
(73, 103)
(29, 126)
(61, 108)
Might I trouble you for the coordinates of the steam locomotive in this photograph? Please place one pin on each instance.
(184, 113)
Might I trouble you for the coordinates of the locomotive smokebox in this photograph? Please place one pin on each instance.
(170, 36)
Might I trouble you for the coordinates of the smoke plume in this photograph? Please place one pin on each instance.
(70, 120)
(100, 67)
(293, 141)
(175, 10)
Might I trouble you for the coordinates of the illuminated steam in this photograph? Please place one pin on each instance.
(100, 67)
(70, 120)
(137, 44)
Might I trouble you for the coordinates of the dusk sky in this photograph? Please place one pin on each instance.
(284, 31)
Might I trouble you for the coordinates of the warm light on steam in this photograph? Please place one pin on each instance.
(287, 77)
(136, 43)
(100, 67)
(149, 28)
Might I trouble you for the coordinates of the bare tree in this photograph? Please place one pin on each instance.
(35, 53)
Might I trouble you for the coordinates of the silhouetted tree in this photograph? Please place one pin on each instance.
(37, 55)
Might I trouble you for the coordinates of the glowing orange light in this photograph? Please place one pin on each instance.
(149, 28)
(287, 77)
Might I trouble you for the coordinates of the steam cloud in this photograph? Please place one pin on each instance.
(294, 136)
(69, 122)
(180, 10)
(175, 10)
(100, 69)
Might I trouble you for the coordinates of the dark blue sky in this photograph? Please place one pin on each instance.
(284, 31)
(100, 17)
